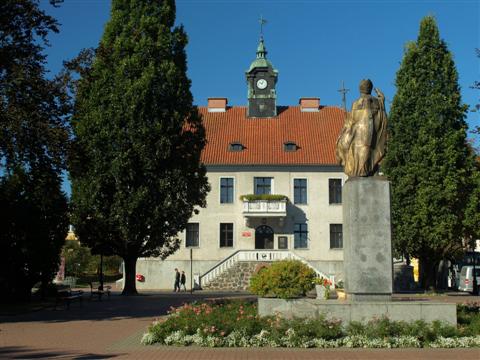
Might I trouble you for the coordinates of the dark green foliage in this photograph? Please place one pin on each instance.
(136, 171)
(221, 319)
(428, 160)
(80, 262)
(468, 317)
(476, 107)
(33, 223)
(284, 279)
(306, 328)
(76, 257)
(253, 197)
(383, 327)
(471, 221)
(34, 137)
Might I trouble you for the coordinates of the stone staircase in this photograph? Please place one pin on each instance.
(237, 277)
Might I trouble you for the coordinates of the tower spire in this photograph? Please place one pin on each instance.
(262, 22)
(261, 80)
(261, 50)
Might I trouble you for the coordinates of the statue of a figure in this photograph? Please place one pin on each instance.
(361, 143)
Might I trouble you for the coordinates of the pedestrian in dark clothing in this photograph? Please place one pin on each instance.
(183, 280)
(177, 281)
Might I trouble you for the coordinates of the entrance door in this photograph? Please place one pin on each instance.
(264, 237)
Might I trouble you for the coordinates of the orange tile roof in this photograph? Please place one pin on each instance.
(314, 132)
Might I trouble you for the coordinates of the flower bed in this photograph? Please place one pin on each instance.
(236, 324)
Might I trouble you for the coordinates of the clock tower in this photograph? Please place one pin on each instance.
(261, 81)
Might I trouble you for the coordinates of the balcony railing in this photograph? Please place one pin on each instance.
(265, 207)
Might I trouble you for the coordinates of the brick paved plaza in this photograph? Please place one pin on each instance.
(113, 328)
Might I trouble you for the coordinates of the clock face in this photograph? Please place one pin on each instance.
(262, 84)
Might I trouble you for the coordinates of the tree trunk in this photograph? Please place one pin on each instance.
(427, 272)
(441, 276)
(130, 287)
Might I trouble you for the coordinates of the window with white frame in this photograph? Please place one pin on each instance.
(226, 190)
(300, 191)
(300, 233)
(336, 236)
(226, 235)
(282, 242)
(335, 191)
(262, 185)
(192, 235)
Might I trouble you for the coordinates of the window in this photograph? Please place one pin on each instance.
(300, 191)
(262, 185)
(226, 190)
(335, 191)
(336, 236)
(191, 239)
(300, 232)
(290, 146)
(236, 146)
(282, 242)
(226, 235)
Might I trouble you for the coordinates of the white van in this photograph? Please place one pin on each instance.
(466, 278)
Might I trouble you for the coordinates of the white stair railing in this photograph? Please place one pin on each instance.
(255, 255)
(317, 272)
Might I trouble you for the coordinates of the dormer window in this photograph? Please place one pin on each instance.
(236, 146)
(290, 146)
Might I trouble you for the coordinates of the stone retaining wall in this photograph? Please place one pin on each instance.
(359, 311)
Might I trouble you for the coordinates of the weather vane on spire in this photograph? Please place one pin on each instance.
(344, 91)
(262, 22)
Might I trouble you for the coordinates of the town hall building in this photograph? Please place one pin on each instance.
(276, 190)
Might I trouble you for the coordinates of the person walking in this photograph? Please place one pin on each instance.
(183, 280)
(177, 281)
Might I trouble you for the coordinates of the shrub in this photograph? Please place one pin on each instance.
(468, 316)
(285, 279)
(272, 197)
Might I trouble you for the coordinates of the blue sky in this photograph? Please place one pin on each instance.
(315, 45)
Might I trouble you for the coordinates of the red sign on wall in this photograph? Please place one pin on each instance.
(246, 234)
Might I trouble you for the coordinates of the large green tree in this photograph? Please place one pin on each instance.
(136, 172)
(34, 137)
(476, 107)
(428, 159)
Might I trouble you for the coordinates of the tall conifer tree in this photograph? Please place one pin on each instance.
(136, 174)
(428, 160)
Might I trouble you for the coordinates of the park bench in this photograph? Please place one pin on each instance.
(96, 290)
(66, 296)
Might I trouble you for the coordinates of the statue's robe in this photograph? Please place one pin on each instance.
(361, 144)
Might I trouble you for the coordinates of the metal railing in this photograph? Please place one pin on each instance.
(255, 255)
(265, 207)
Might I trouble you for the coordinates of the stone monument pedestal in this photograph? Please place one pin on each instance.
(367, 267)
(367, 239)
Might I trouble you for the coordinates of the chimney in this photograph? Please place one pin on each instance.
(309, 104)
(217, 104)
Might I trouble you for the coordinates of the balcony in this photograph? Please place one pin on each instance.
(264, 205)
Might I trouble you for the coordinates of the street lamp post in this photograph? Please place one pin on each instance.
(101, 270)
(474, 283)
(191, 271)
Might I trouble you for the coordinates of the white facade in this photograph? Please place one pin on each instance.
(287, 148)
(315, 216)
